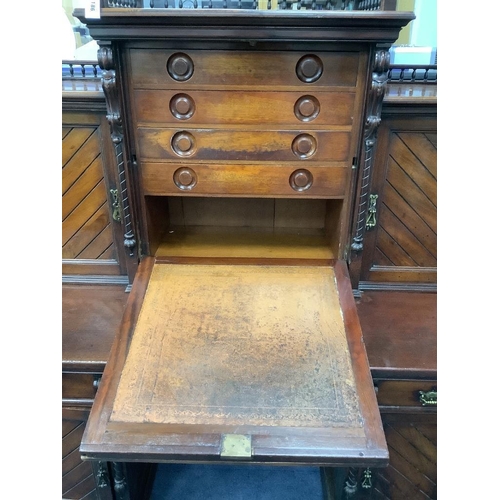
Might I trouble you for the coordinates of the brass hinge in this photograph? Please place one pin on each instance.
(117, 213)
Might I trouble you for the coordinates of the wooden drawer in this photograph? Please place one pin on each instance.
(79, 385)
(243, 145)
(244, 108)
(243, 180)
(158, 68)
(418, 393)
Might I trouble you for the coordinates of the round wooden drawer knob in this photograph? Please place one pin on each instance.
(309, 68)
(183, 144)
(185, 178)
(306, 108)
(301, 180)
(304, 146)
(182, 106)
(180, 67)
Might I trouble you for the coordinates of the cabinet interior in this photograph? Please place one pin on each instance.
(243, 227)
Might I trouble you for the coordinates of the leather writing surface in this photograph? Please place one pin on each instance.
(239, 345)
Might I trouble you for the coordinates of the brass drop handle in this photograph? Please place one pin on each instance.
(117, 214)
(428, 398)
(371, 218)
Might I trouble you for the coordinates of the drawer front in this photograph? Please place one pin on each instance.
(78, 385)
(244, 108)
(198, 68)
(422, 393)
(250, 180)
(243, 145)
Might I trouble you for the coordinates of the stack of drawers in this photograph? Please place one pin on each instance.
(246, 123)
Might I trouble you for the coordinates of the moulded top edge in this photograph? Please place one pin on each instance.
(374, 19)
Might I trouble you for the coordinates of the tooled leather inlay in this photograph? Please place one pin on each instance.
(239, 345)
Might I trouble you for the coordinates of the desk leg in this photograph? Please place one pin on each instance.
(347, 484)
(119, 480)
(102, 480)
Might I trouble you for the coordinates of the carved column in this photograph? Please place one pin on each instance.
(110, 88)
(373, 116)
(120, 485)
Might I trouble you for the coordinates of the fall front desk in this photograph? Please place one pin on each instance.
(244, 142)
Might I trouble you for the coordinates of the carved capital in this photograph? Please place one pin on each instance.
(110, 88)
(376, 94)
(382, 61)
(378, 88)
(102, 475)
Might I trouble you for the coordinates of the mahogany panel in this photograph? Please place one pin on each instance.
(82, 186)
(76, 475)
(90, 236)
(391, 251)
(91, 315)
(218, 69)
(89, 218)
(241, 180)
(243, 145)
(73, 139)
(401, 249)
(406, 239)
(83, 490)
(402, 392)
(413, 163)
(77, 385)
(412, 471)
(101, 247)
(400, 333)
(80, 161)
(424, 148)
(409, 190)
(244, 108)
(411, 219)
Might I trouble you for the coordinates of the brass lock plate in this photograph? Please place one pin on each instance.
(236, 446)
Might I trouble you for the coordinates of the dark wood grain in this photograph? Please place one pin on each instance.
(241, 145)
(216, 107)
(91, 315)
(400, 332)
(373, 424)
(244, 180)
(246, 69)
(401, 250)
(271, 59)
(102, 405)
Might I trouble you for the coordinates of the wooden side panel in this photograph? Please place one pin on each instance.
(89, 233)
(402, 247)
(77, 477)
(412, 470)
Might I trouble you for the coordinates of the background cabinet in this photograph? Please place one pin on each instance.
(92, 214)
(400, 244)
